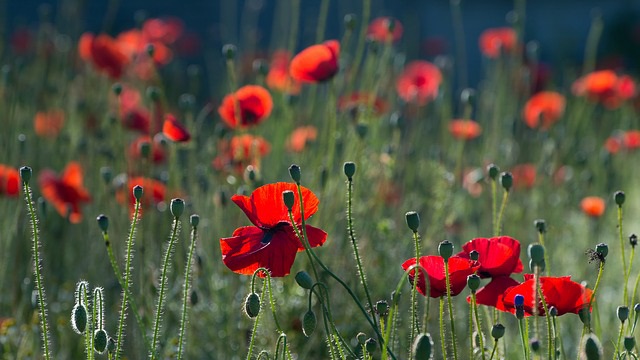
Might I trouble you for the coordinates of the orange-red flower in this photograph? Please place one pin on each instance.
(524, 176)
(606, 87)
(167, 31)
(154, 192)
(495, 41)
(252, 102)
(316, 63)
(157, 154)
(546, 107)
(356, 100)
(240, 152)
(9, 181)
(105, 54)
(559, 291)
(379, 29)
(174, 130)
(278, 77)
(419, 82)
(462, 129)
(66, 192)
(593, 206)
(627, 140)
(459, 269)
(49, 123)
(300, 137)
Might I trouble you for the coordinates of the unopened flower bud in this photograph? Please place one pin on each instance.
(619, 197)
(553, 311)
(349, 169)
(289, 199)
(103, 222)
(493, 170)
(445, 249)
(585, 316)
(176, 207)
(413, 220)
(370, 345)
(294, 171)
(602, 249)
(153, 93)
(535, 345)
(473, 282)
(117, 89)
(304, 280)
(506, 180)
(518, 300)
(79, 318)
(422, 347)
(382, 308)
(107, 174)
(252, 305)
(100, 341)
(497, 331)
(194, 220)
(137, 192)
(361, 337)
(623, 313)
(592, 349)
(540, 225)
(25, 174)
(629, 343)
(150, 49)
(260, 67)
(468, 97)
(309, 322)
(229, 51)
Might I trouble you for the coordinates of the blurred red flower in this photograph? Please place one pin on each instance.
(272, 242)
(419, 82)
(462, 129)
(300, 136)
(493, 293)
(317, 63)
(498, 256)
(354, 101)
(546, 107)
(459, 269)
(49, 123)
(524, 176)
(593, 206)
(631, 139)
(254, 105)
(606, 87)
(241, 151)
(560, 292)
(66, 192)
(379, 29)
(167, 31)
(278, 77)
(154, 192)
(174, 130)
(496, 41)
(157, 154)
(104, 53)
(9, 181)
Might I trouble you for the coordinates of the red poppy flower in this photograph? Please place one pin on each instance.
(154, 192)
(593, 206)
(495, 41)
(378, 29)
(300, 137)
(605, 86)
(49, 123)
(493, 293)
(459, 269)
(278, 77)
(84, 46)
(107, 56)
(316, 63)
(419, 82)
(133, 43)
(157, 154)
(464, 129)
(354, 101)
(240, 152)
(166, 31)
(498, 256)
(174, 130)
(272, 242)
(631, 139)
(546, 107)
(254, 105)
(65, 193)
(560, 292)
(9, 181)
(524, 176)
(613, 144)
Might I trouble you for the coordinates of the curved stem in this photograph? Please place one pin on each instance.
(185, 293)
(493, 352)
(505, 198)
(453, 324)
(255, 323)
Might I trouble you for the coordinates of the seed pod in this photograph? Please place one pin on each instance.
(294, 171)
(349, 169)
(497, 331)
(79, 318)
(252, 305)
(309, 322)
(422, 347)
(445, 249)
(413, 220)
(100, 341)
(289, 199)
(304, 280)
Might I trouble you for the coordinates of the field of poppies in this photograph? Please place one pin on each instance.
(317, 198)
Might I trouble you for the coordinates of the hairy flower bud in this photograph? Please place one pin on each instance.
(309, 322)
(413, 220)
(252, 305)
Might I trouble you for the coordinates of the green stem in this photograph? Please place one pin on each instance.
(494, 207)
(322, 20)
(255, 324)
(37, 267)
(546, 255)
(591, 49)
(414, 293)
(550, 332)
(523, 338)
(493, 352)
(364, 23)
(624, 260)
(453, 324)
(595, 288)
(505, 198)
(474, 305)
(617, 350)
(443, 342)
(163, 285)
(187, 287)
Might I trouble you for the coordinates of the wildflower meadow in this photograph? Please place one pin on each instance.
(314, 196)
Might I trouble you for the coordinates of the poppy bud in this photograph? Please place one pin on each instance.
(309, 322)
(229, 51)
(391, 24)
(153, 93)
(497, 331)
(473, 282)
(79, 318)
(506, 180)
(585, 316)
(107, 174)
(370, 345)
(289, 199)
(629, 343)
(150, 49)
(619, 197)
(602, 249)
(539, 266)
(349, 169)
(422, 346)
(553, 311)
(468, 97)
(536, 253)
(350, 21)
(623, 313)
(193, 297)
(633, 240)
(111, 345)
(252, 305)
(445, 249)
(186, 101)
(177, 207)
(25, 174)
(535, 345)
(592, 349)
(294, 171)
(304, 280)
(137, 192)
(361, 337)
(413, 220)
(382, 307)
(103, 222)
(540, 225)
(100, 341)
(493, 170)
(260, 67)
(474, 255)
(194, 220)
(117, 89)
(362, 129)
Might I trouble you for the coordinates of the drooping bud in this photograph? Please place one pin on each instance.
(137, 192)
(304, 280)
(252, 305)
(177, 207)
(361, 337)
(619, 197)
(289, 199)
(422, 347)
(413, 220)
(497, 331)
(445, 249)
(370, 345)
(79, 318)
(473, 282)
(623, 313)
(493, 170)
(349, 169)
(25, 174)
(535, 345)
(506, 180)
(592, 349)
(103, 222)
(294, 171)
(540, 225)
(309, 322)
(100, 341)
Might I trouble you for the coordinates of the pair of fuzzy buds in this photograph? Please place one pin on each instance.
(80, 317)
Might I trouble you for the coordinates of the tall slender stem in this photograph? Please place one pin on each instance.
(443, 340)
(474, 305)
(505, 198)
(187, 287)
(453, 324)
(625, 275)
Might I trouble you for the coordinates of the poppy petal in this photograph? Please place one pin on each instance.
(316, 63)
(174, 130)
